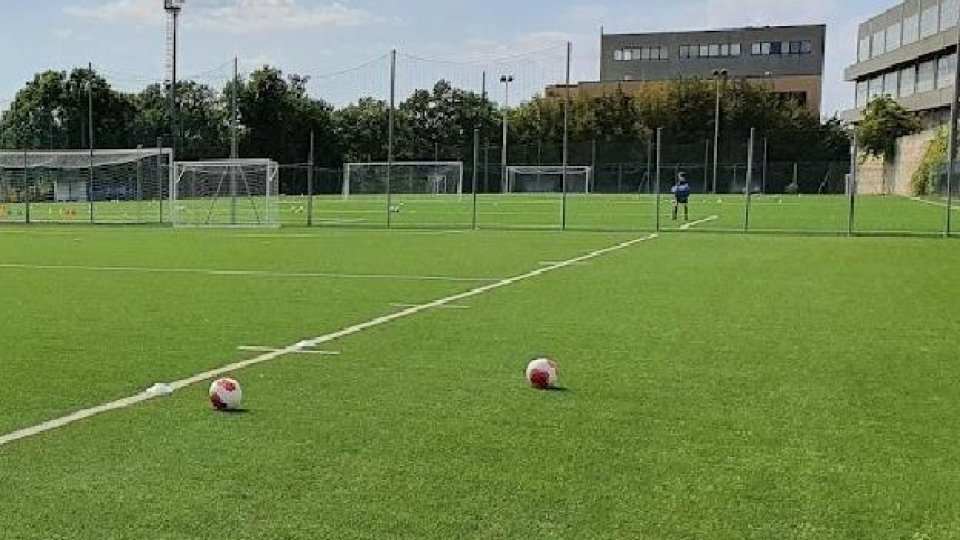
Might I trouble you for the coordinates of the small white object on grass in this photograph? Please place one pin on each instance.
(160, 389)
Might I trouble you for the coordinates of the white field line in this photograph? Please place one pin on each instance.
(448, 306)
(551, 263)
(687, 226)
(255, 348)
(312, 343)
(256, 273)
(954, 208)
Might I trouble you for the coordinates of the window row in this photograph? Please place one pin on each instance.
(926, 76)
(781, 47)
(655, 52)
(711, 50)
(928, 22)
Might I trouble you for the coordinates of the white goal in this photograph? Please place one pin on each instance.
(433, 178)
(549, 179)
(228, 193)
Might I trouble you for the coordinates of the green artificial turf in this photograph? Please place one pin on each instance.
(714, 386)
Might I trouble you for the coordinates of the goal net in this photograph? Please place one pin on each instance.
(549, 179)
(229, 193)
(80, 185)
(405, 178)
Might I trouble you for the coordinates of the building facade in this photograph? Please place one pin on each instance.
(908, 52)
(787, 59)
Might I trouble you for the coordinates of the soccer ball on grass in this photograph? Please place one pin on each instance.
(225, 394)
(542, 373)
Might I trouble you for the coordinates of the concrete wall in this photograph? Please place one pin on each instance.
(874, 177)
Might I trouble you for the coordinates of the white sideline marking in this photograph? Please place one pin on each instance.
(687, 226)
(254, 348)
(300, 346)
(450, 306)
(551, 263)
(954, 208)
(261, 273)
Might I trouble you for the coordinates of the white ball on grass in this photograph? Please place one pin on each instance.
(225, 394)
(542, 373)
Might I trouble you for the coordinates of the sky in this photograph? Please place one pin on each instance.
(344, 45)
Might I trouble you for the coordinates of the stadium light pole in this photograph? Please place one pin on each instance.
(718, 75)
(506, 80)
(173, 8)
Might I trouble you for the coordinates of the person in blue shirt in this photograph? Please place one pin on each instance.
(681, 196)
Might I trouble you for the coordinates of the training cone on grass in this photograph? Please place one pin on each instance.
(542, 373)
(225, 395)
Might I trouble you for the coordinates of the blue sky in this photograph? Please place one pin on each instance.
(343, 44)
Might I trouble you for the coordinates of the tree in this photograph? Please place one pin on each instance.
(885, 121)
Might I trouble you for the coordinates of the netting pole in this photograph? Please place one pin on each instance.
(852, 185)
(234, 151)
(26, 184)
(952, 143)
(656, 188)
(310, 164)
(566, 134)
(763, 188)
(139, 197)
(476, 165)
(749, 182)
(90, 140)
(390, 133)
(706, 165)
(160, 174)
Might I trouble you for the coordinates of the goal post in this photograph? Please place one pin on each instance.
(433, 178)
(549, 179)
(227, 193)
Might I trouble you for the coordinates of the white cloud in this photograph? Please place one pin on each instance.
(128, 11)
(233, 16)
(278, 15)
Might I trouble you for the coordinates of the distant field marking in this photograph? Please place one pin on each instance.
(255, 348)
(687, 226)
(954, 208)
(449, 306)
(256, 273)
(551, 263)
(299, 347)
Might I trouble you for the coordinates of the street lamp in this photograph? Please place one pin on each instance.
(173, 8)
(506, 80)
(718, 75)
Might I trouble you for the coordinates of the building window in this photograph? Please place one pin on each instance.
(911, 29)
(908, 81)
(945, 71)
(664, 52)
(782, 47)
(928, 21)
(862, 94)
(704, 51)
(890, 84)
(684, 51)
(893, 36)
(948, 13)
(926, 76)
(879, 43)
(863, 51)
(618, 55)
(806, 47)
(876, 88)
(734, 49)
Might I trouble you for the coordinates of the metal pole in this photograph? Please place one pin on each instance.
(593, 161)
(390, 134)
(476, 172)
(763, 189)
(746, 216)
(310, 165)
(503, 148)
(852, 185)
(174, 128)
(566, 135)
(26, 184)
(706, 165)
(716, 137)
(90, 139)
(234, 144)
(160, 174)
(656, 188)
(952, 143)
(483, 86)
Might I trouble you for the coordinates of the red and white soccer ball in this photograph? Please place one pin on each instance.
(225, 394)
(542, 373)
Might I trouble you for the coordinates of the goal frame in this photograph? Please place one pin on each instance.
(550, 170)
(271, 218)
(348, 167)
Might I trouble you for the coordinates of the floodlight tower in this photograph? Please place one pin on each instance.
(173, 8)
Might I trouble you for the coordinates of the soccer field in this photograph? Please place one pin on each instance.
(818, 214)
(713, 386)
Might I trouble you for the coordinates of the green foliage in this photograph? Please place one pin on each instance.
(884, 121)
(924, 179)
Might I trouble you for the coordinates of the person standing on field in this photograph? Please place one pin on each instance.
(681, 196)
